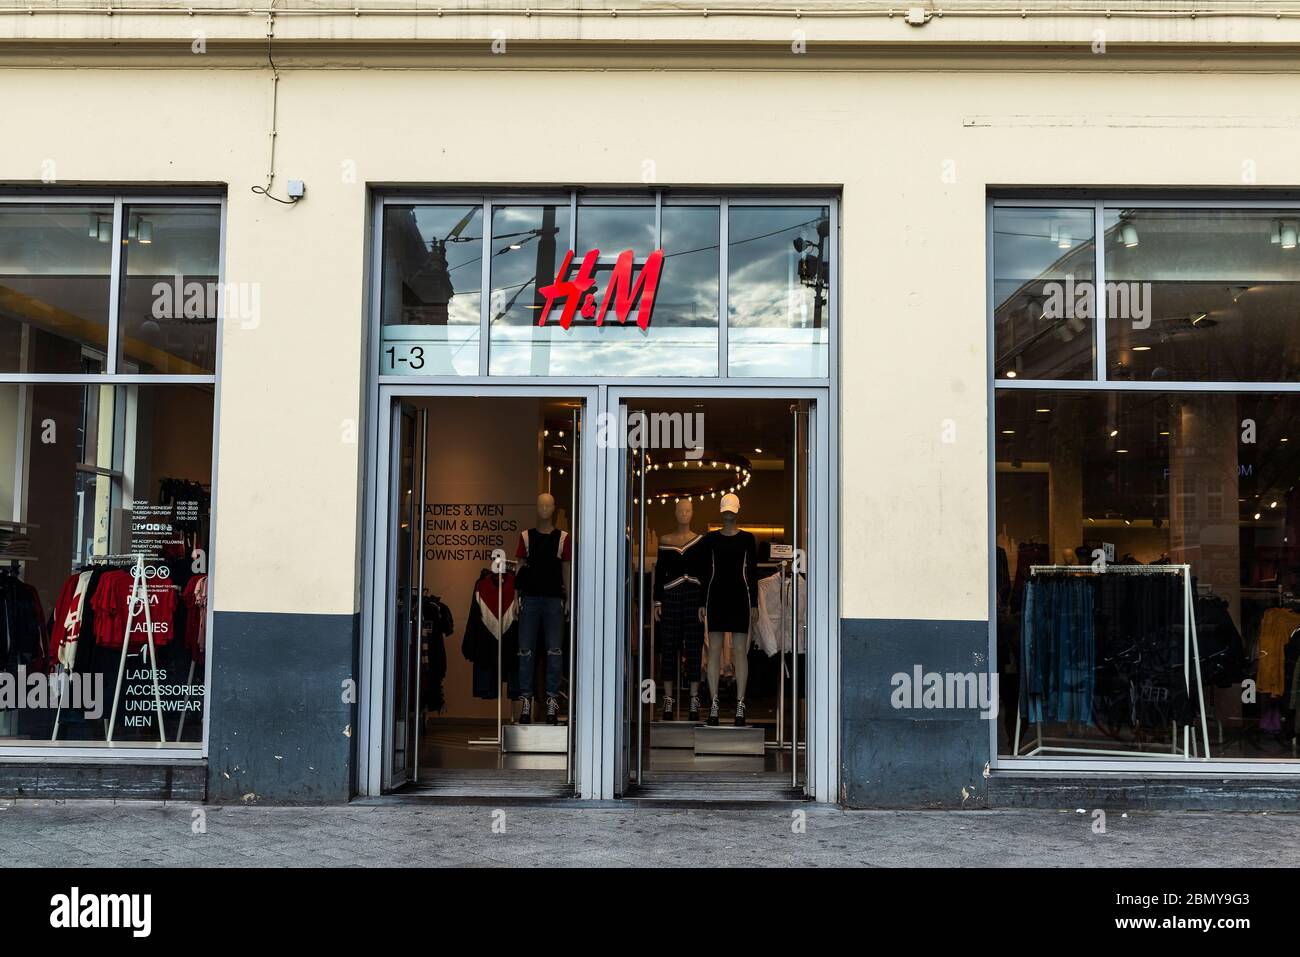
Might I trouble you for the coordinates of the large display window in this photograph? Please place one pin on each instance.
(106, 466)
(1147, 554)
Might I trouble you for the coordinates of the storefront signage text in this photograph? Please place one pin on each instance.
(622, 290)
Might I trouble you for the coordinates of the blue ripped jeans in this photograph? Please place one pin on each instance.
(544, 616)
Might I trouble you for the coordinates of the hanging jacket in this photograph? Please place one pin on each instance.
(438, 625)
(479, 645)
(1278, 625)
(1223, 656)
(22, 625)
(774, 602)
(69, 613)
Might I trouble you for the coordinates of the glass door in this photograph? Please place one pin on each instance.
(795, 598)
(630, 692)
(714, 585)
(407, 500)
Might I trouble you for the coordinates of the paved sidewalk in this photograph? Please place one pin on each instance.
(140, 834)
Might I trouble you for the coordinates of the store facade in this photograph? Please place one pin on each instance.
(847, 298)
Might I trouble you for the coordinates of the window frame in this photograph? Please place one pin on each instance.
(575, 197)
(173, 752)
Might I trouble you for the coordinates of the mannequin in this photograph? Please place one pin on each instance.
(731, 595)
(545, 553)
(679, 607)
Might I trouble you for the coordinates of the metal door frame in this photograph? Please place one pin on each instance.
(373, 683)
(420, 442)
(821, 780)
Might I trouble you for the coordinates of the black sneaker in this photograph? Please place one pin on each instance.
(713, 714)
(668, 709)
(694, 714)
(740, 714)
(526, 711)
(552, 711)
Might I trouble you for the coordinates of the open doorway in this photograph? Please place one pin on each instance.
(716, 590)
(481, 621)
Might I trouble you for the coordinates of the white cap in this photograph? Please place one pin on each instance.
(730, 503)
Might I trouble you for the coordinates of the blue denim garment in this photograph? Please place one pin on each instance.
(544, 616)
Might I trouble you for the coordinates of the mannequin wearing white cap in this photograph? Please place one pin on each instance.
(731, 593)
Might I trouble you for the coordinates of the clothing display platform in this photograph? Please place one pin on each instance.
(535, 739)
(725, 740)
(673, 734)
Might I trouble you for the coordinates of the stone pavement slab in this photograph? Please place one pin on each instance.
(145, 834)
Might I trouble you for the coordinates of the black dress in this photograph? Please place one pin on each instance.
(731, 589)
(679, 575)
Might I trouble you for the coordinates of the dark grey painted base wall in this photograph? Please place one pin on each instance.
(68, 781)
(281, 731)
(910, 757)
(1145, 792)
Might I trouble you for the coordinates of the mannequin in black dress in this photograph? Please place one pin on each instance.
(731, 594)
(679, 607)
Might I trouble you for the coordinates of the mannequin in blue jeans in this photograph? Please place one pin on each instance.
(545, 555)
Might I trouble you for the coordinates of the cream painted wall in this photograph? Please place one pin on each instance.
(913, 245)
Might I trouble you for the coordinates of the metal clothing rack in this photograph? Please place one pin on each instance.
(787, 631)
(137, 599)
(1191, 649)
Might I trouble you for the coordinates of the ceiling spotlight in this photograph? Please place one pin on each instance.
(1141, 348)
(1257, 516)
(1128, 235)
(1063, 241)
(1287, 235)
(1042, 410)
(758, 451)
(144, 232)
(1114, 432)
(1011, 373)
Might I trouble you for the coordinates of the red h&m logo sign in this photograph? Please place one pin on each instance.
(622, 290)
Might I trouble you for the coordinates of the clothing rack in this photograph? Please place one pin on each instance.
(783, 567)
(138, 598)
(1191, 649)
